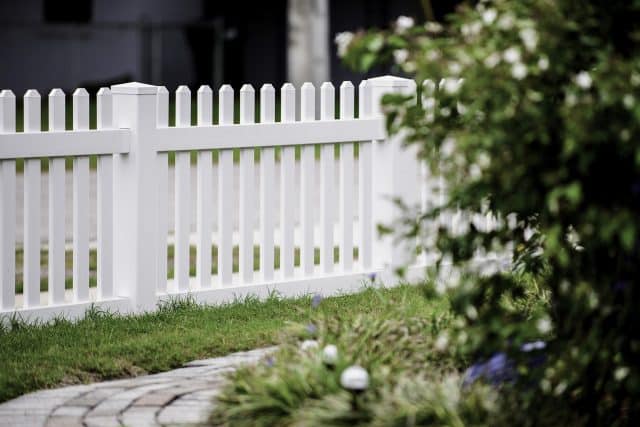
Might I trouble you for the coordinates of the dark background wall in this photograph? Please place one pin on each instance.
(71, 43)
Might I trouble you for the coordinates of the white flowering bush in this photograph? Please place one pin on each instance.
(529, 110)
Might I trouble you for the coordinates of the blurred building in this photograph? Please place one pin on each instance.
(91, 43)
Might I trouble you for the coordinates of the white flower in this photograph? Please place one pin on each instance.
(452, 86)
(512, 55)
(544, 325)
(489, 15)
(433, 27)
(343, 40)
(628, 100)
(492, 60)
(583, 80)
(571, 99)
(354, 378)
(470, 30)
(543, 63)
(455, 68)
(400, 55)
(506, 21)
(330, 354)
(519, 71)
(529, 37)
(429, 103)
(448, 146)
(403, 23)
(471, 312)
(308, 345)
(621, 373)
(433, 55)
(442, 342)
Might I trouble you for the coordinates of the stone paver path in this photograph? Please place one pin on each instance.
(182, 397)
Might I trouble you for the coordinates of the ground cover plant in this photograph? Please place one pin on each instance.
(528, 110)
(104, 346)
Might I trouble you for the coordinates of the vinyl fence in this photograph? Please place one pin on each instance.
(275, 198)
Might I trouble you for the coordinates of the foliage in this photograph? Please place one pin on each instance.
(535, 118)
(413, 379)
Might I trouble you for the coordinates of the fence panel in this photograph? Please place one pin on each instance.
(225, 193)
(182, 194)
(80, 203)
(327, 189)
(204, 209)
(247, 176)
(267, 186)
(346, 193)
(287, 195)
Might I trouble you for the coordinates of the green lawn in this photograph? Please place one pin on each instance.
(103, 346)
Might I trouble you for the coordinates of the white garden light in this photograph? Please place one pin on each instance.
(355, 378)
(330, 355)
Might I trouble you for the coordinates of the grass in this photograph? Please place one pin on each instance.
(44, 259)
(104, 346)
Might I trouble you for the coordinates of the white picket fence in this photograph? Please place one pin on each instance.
(132, 142)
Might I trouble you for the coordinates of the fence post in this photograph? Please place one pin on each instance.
(136, 197)
(395, 176)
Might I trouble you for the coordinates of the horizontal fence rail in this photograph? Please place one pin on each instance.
(216, 211)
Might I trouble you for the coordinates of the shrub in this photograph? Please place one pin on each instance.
(535, 118)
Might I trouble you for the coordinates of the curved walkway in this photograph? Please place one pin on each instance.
(181, 397)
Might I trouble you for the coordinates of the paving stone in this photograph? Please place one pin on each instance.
(183, 415)
(140, 416)
(155, 399)
(70, 411)
(111, 406)
(64, 421)
(102, 421)
(94, 397)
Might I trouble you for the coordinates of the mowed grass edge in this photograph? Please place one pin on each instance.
(105, 346)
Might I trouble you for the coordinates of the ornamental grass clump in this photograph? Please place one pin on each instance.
(353, 375)
(529, 111)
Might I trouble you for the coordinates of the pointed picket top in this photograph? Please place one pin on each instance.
(247, 104)
(32, 93)
(7, 111)
(104, 108)
(80, 92)
(205, 89)
(327, 101)
(307, 102)
(346, 85)
(55, 93)
(183, 106)
(205, 105)
(161, 90)
(288, 103)
(134, 88)
(183, 89)
(225, 109)
(347, 92)
(104, 91)
(267, 103)
(7, 93)
(162, 104)
(364, 99)
(56, 110)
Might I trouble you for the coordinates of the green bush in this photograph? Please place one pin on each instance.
(535, 118)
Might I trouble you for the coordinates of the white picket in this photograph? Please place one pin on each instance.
(182, 194)
(287, 195)
(104, 190)
(31, 267)
(267, 184)
(56, 258)
(8, 211)
(307, 178)
(204, 209)
(80, 203)
(247, 173)
(162, 121)
(327, 185)
(346, 182)
(364, 183)
(225, 193)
